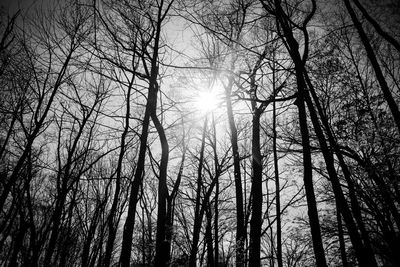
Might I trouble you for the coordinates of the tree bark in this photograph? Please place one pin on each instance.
(342, 245)
(256, 192)
(208, 237)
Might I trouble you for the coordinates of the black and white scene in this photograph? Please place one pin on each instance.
(200, 133)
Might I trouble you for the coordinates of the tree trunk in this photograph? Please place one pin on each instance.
(277, 182)
(359, 248)
(32, 136)
(342, 245)
(64, 185)
(375, 64)
(308, 182)
(18, 242)
(377, 27)
(198, 216)
(293, 48)
(137, 181)
(171, 200)
(363, 251)
(162, 253)
(216, 208)
(208, 237)
(256, 192)
(240, 226)
(151, 107)
(90, 236)
(112, 223)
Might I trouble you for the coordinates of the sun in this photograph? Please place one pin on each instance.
(207, 101)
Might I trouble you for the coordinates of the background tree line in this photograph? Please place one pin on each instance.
(109, 159)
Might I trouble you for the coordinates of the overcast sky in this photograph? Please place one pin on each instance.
(11, 6)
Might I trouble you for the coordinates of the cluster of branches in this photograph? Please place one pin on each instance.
(104, 161)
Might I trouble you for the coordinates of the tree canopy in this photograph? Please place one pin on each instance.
(200, 133)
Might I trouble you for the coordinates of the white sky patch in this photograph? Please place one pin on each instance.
(207, 101)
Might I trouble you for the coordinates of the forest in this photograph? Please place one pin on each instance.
(200, 133)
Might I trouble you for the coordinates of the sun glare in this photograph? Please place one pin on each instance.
(207, 101)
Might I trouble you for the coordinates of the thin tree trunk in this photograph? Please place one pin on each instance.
(63, 187)
(9, 132)
(240, 226)
(90, 237)
(308, 181)
(277, 184)
(137, 181)
(364, 260)
(375, 64)
(151, 108)
(256, 192)
(31, 138)
(18, 242)
(171, 200)
(198, 218)
(143, 240)
(208, 237)
(216, 209)
(377, 27)
(112, 223)
(162, 253)
(342, 245)
(56, 221)
(293, 48)
(34, 245)
(216, 232)
(364, 251)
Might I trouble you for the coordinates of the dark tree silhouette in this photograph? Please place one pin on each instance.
(110, 155)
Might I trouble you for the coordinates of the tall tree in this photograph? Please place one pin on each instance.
(155, 21)
(285, 29)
